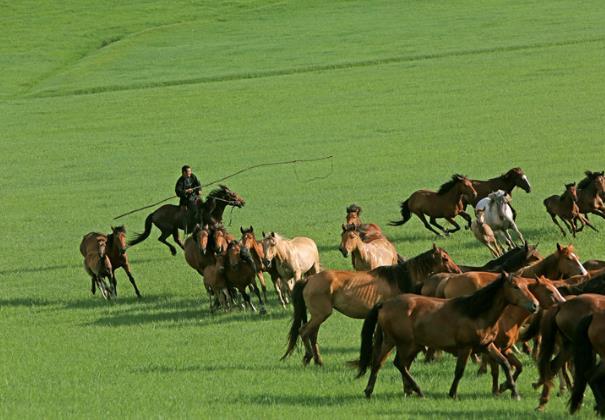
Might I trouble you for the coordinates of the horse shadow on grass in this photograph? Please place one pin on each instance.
(211, 368)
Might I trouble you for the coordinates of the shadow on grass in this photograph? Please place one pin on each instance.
(212, 368)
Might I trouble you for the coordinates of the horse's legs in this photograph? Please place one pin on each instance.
(571, 226)
(564, 379)
(514, 362)
(114, 284)
(320, 309)
(596, 382)
(277, 286)
(402, 363)
(463, 355)
(586, 222)
(509, 239)
(263, 284)
(263, 310)
(131, 278)
(93, 287)
(518, 232)
(426, 224)
(466, 217)
(554, 219)
(433, 222)
(454, 223)
(246, 296)
(495, 371)
(175, 237)
(503, 361)
(379, 356)
(162, 239)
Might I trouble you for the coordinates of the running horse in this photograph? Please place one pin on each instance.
(366, 256)
(169, 218)
(566, 208)
(590, 190)
(248, 240)
(354, 293)
(96, 262)
(367, 231)
(446, 203)
(506, 182)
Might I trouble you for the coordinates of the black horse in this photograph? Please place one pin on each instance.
(170, 218)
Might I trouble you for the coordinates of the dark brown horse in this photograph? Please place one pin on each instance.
(240, 272)
(589, 341)
(589, 194)
(558, 325)
(512, 260)
(446, 203)
(506, 182)
(367, 231)
(566, 208)
(221, 238)
(459, 326)
(354, 293)
(255, 248)
(169, 218)
(116, 251)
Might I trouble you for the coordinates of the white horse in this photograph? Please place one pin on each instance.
(293, 258)
(499, 216)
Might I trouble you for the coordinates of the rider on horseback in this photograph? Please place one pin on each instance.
(188, 190)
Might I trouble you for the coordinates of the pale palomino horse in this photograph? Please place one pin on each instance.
(96, 262)
(499, 216)
(366, 256)
(293, 258)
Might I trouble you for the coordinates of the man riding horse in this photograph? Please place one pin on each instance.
(188, 190)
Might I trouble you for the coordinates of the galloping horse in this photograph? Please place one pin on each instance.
(96, 262)
(367, 231)
(293, 258)
(116, 251)
(484, 233)
(499, 215)
(169, 218)
(221, 238)
(353, 293)
(240, 272)
(444, 204)
(566, 208)
(459, 326)
(506, 182)
(366, 256)
(590, 190)
(255, 248)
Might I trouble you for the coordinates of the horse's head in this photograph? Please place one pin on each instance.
(221, 242)
(102, 249)
(518, 178)
(531, 254)
(572, 191)
(480, 215)
(543, 290)
(233, 252)
(349, 239)
(596, 178)
(232, 198)
(249, 241)
(269, 242)
(119, 241)
(516, 292)
(201, 236)
(442, 262)
(568, 263)
(465, 187)
(353, 212)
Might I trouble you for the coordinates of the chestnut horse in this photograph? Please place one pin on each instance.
(354, 293)
(366, 256)
(506, 182)
(566, 208)
(590, 190)
(96, 262)
(240, 272)
(248, 240)
(367, 231)
(116, 251)
(444, 204)
(562, 263)
(589, 340)
(221, 238)
(559, 324)
(459, 326)
(169, 218)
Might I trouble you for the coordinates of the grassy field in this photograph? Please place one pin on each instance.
(101, 104)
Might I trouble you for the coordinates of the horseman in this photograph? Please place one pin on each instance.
(188, 190)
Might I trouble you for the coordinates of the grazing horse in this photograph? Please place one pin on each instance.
(590, 190)
(366, 256)
(566, 208)
(499, 215)
(589, 340)
(240, 272)
(354, 293)
(293, 258)
(506, 182)
(248, 240)
(444, 204)
(559, 325)
(484, 233)
(367, 231)
(412, 322)
(116, 251)
(169, 218)
(96, 262)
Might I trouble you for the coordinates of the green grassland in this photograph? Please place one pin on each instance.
(102, 102)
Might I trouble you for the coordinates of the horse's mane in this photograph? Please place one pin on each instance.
(480, 301)
(512, 172)
(221, 190)
(590, 176)
(506, 258)
(354, 208)
(450, 184)
(593, 285)
(117, 229)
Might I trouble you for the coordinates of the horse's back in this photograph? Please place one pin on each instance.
(467, 283)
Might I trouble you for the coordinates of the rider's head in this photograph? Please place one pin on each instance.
(186, 171)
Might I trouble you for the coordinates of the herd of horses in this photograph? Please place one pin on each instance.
(426, 304)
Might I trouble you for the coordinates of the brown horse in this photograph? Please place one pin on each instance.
(248, 240)
(511, 260)
(354, 293)
(445, 204)
(562, 263)
(589, 340)
(590, 190)
(459, 326)
(566, 208)
(559, 325)
(116, 251)
(96, 262)
(594, 264)
(506, 182)
(240, 272)
(367, 231)
(169, 218)
(221, 239)
(366, 256)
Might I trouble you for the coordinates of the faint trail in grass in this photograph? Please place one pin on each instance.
(315, 68)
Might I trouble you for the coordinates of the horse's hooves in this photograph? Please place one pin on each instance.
(516, 397)
(173, 252)
(367, 393)
(536, 385)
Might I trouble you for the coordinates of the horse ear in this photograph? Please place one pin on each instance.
(273, 234)
(263, 232)
(344, 228)
(559, 247)
(251, 229)
(434, 246)
(241, 229)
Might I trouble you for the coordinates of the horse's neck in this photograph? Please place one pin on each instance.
(502, 183)
(567, 199)
(218, 208)
(361, 251)
(283, 252)
(540, 268)
(496, 308)
(415, 272)
(589, 191)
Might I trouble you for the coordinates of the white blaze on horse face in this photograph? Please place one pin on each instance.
(524, 177)
(582, 269)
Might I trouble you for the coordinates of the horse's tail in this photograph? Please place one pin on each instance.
(584, 361)
(405, 213)
(549, 329)
(299, 318)
(367, 342)
(140, 237)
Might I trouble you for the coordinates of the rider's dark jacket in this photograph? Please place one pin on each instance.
(185, 183)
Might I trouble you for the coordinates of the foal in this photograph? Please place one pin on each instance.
(484, 233)
(566, 208)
